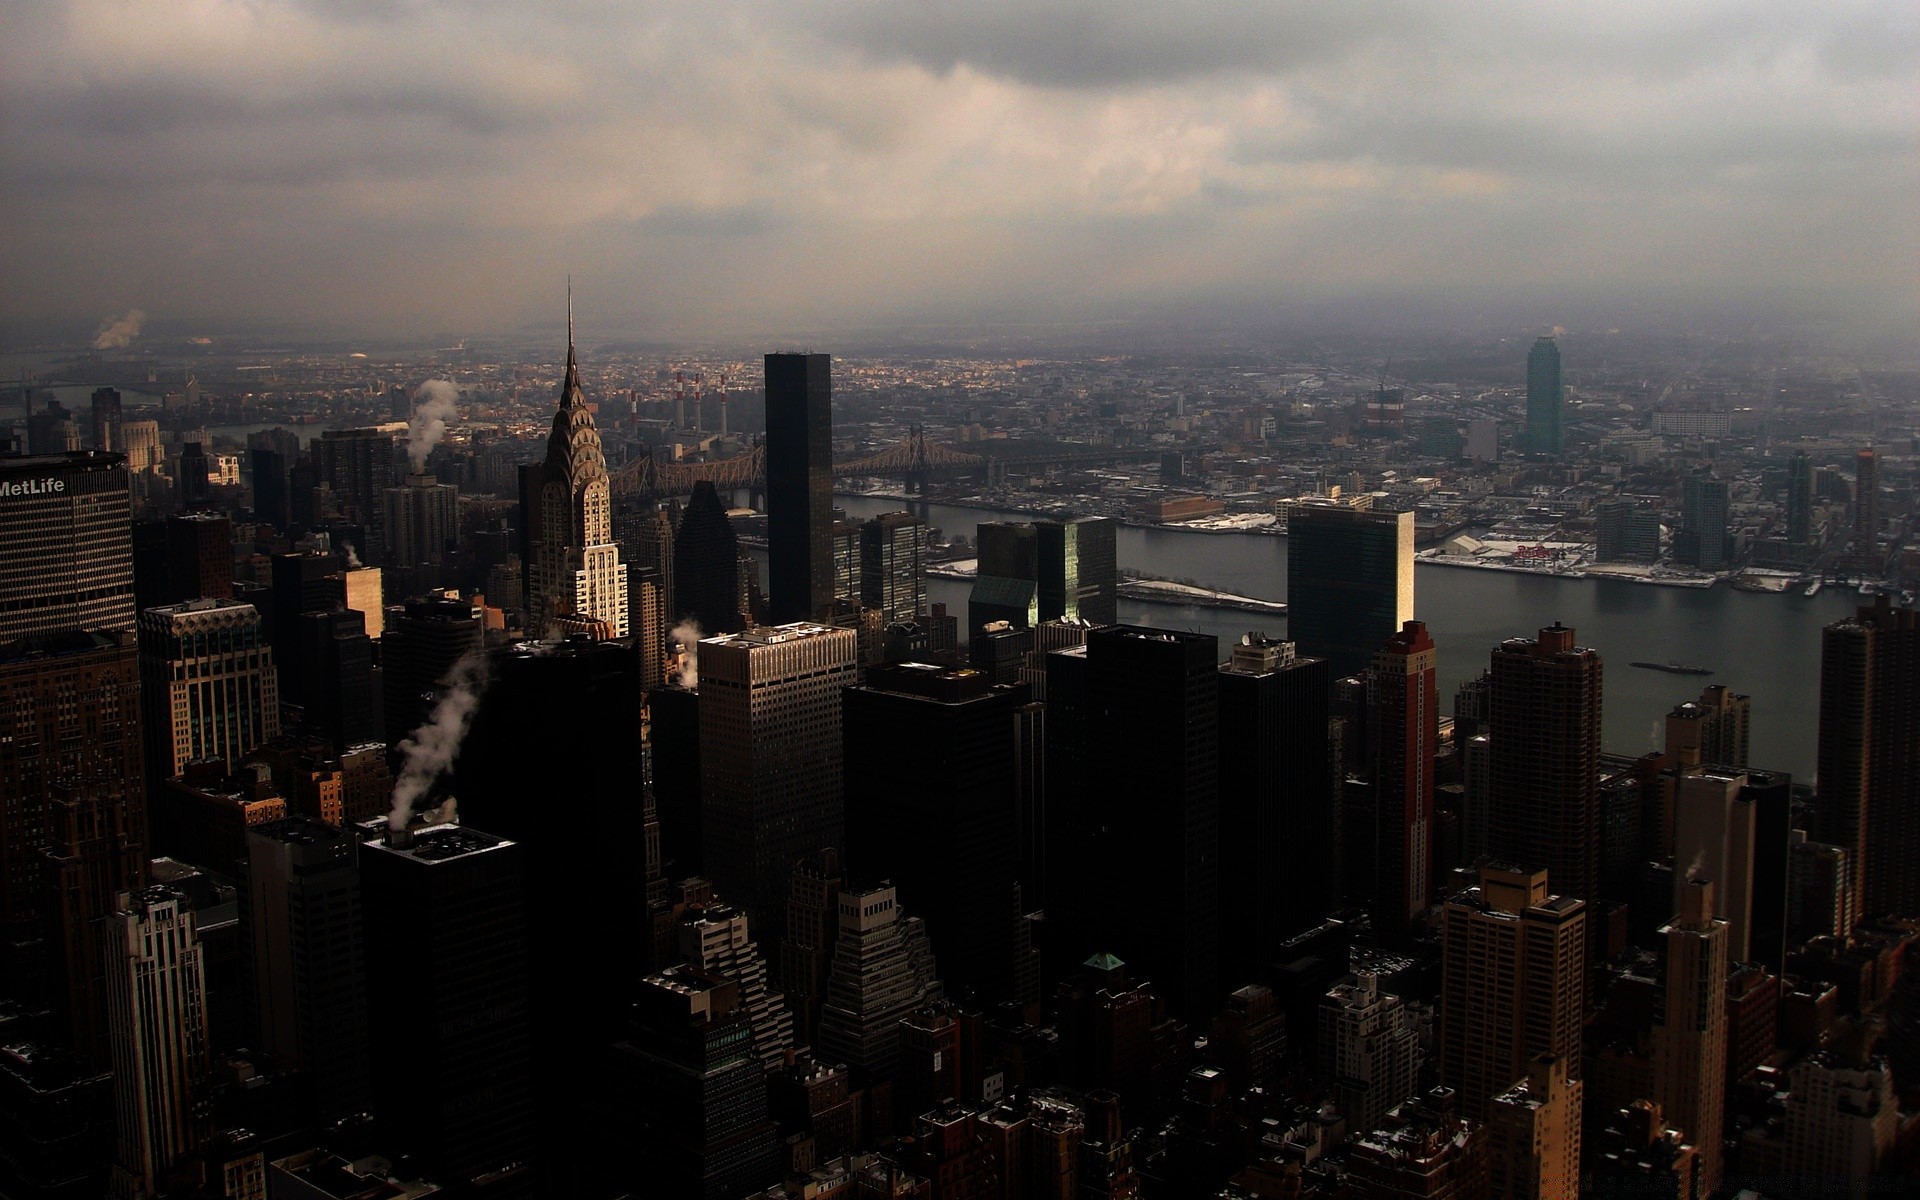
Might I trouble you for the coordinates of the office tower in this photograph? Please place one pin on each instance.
(689, 1076)
(1703, 539)
(893, 566)
(1869, 803)
(715, 938)
(674, 716)
(952, 736)
(1349, 582)
(1711, 731)
(647, 608)
(1819, 890)
(1715, 833)
(770, 757)
(799, 486)
(422, 521)
(157, 1014)
(342, 700)
(143, 450)
(1800, 499)
(706, 566)
(1006, 585)
(192, 474)
(1276, 798)
(1690, 1033)
(1000, 651)
(363, 590)
(882, 970)
(108, 414)
(271, 497)
(576, 582)
(1534, 1129)
(1546, 400)
(300, 920)
(1626, 531)
(356, 466)
(1079, 576)
(424, 638)
(445, 911)
(649, 546)
(1512, 982)
(52, 431)
(1544, 739)
(1369, 1049)
(67, 526)
(813, 927)
(843, 538)
(302, 582)
(1866, 509)
(199, 557)
(1133, 839)
(1405, 724)
(70, 722)
(207, 684)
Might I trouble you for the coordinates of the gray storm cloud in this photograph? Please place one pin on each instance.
(431, 749)
(434, 405)
(117, 333)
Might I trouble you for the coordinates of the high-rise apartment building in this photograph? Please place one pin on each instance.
(799, 486)
(356, 466)
(952, 738)
(1716, 831)
(893, 567)
(1512, 983)
(882, 970)
(1626, 530)
(1133, 796)
(1703, 539)
(576, 583)
(1534, 1128)
(706, 565)
(1866, 509)
(1544, 740)
(1869, 747)
(770, 757)
(1546, 400)
(1690, 1032)
(1843, 1118)
(1405, 725)
(157, 1014)
(1349, 582)
(1711, 731)
(66, 521)
(300, 925)
(207, 683)
(1800, 499)
(445, 910)
(422, 519)
(1276, 797)
(1369, 1049)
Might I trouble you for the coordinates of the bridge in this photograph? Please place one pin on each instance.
(913, 458)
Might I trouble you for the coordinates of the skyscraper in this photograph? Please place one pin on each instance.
(1711, 731)
(422, 520)
(1546, 400)
(424, 638)
(271, 502)
(199, 557)
(799, 486)
(576, 583)
(1079, 572)
(207, 683)
(157, 1011)
(1869, 755)
(1276, 797)
(342, 698)
(716, 937)
(893, 567)
(1405, 724)
(1800, 499)
(1133, 823)
(1535, 1134)
(1349, 582)
(706, 565)
(66, 521)
(1626, 530)
(1716, 829)
(1690, 1035)
(1512, 982)
(1703, 540)
(1544, 735)
(1866, 510)
(356, 465)
(770, 757)
(107, 416)
(882, 970)
(1369, 1049)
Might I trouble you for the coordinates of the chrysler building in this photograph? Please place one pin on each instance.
(578, 582)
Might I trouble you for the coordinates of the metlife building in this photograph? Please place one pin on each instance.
(66, 544)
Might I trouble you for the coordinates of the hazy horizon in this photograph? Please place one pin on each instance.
(385, 168)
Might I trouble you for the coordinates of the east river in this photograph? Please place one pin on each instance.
(1766, 646)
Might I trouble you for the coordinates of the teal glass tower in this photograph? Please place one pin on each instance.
(1546, 400)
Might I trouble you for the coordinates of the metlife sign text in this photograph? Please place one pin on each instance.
(13, 488)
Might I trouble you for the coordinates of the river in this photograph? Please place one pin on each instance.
(1766, 646)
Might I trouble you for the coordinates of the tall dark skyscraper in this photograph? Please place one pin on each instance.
(342, 700)
(1703, 539)
(1869, 756)
(1133, 846)
(1800, 499)
(893, 567)
(1404, 723)
(107, 417)
(706, 565)
(799, 486)
(357, 465)
(423, 639)
(1349, 582)
(953, 737)
(1276, 799)
(1544, 806)
(271, 499)
(1079, 570)
(66, 522)
(1546, 400)
(1866, 509)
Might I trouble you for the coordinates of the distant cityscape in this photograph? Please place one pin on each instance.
(592, 773)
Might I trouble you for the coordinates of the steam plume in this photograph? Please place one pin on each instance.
(433, 407)
(687, 634)
(1653, 735)
(431, 749)
(117, 333)
(353, 558)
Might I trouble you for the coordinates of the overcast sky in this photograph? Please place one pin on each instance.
(719, 169)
